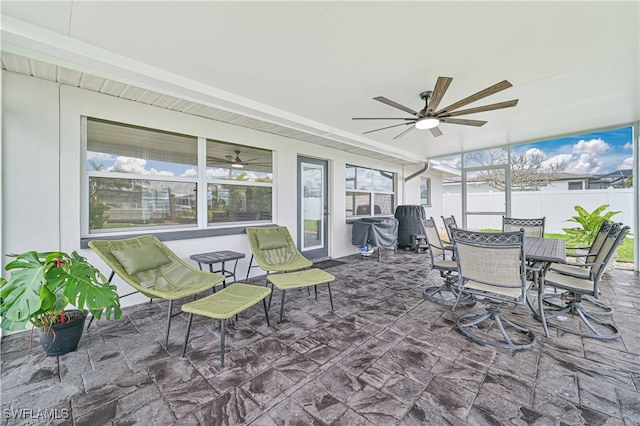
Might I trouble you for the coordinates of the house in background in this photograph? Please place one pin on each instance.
(200, 110)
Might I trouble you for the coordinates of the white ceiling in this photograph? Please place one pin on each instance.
(309, 67)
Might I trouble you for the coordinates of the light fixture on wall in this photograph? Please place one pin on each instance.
(427, 123)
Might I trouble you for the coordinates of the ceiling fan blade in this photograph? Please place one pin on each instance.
(504, 84)
(395, 105)
(405, 132)
(476, 123)
(250, 160)
(211, 161)
(436, 132)
(230, 157)
(383, 118)
(499, 105)
(438, 92)
(383, 128)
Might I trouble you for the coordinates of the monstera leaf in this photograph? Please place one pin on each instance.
(26, 292)
(42, 285)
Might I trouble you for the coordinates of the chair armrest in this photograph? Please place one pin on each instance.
(586, 264)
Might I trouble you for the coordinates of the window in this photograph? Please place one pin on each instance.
(425, 191)
(575, 186)
(139, 179)
(369, 192)
(238, 184)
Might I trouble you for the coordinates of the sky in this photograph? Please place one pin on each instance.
(589, 153)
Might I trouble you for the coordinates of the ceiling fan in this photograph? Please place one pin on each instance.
(430, 117)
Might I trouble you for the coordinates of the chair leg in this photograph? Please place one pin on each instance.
(541, 309)
(222, 333)
(249, 268)
(186, 337)
(282, 306)
(598, 329)
(315, 288)
(266, 312)
(270, 296)
(166, 339)
(330, 297)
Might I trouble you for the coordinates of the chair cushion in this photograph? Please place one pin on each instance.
(271, 240)
(139, 259)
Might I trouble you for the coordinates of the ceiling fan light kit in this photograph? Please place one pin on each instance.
(427, 123)
(429, 118)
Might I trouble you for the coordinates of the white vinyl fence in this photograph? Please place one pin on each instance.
(555, 206)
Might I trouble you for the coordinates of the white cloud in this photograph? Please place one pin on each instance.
(586, 164)
(590, 147)
(534, 152)
(98, 156)
(627, 163)
(561, 161)
(190, 173)
(137, 166)
(628, 145)
(214, 173)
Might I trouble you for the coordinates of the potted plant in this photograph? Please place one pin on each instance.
(40, 288)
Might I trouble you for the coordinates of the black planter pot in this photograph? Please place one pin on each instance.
(62, 338)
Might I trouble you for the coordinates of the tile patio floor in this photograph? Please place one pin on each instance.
(385, 356)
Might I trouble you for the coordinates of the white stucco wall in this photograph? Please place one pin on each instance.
(42, 170)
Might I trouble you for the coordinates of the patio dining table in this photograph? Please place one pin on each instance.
(546, 251)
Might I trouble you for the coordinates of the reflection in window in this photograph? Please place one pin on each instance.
(121, 148)
(369, 192)
(120, 204)
(238, 203)
(239, 183)
(140, 178)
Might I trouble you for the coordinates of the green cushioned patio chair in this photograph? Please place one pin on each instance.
(276, 253)
(151, 268)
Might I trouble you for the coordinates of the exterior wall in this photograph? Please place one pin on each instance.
(555, 206)
(412, 191)
(42, 170)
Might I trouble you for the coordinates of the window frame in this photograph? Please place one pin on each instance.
(372, 192)
(202, 226)
(428, 184)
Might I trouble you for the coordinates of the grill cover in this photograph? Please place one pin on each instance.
(409, 223)
(380, 232)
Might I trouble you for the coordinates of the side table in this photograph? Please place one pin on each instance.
(219, 257)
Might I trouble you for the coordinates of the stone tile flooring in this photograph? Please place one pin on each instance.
(385, 356)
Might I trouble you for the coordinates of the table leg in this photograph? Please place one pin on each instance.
(234, 270)
(540, 298)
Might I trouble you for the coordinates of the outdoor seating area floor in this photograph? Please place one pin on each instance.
(385, 356)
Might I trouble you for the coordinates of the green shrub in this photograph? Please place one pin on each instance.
(589, 224)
